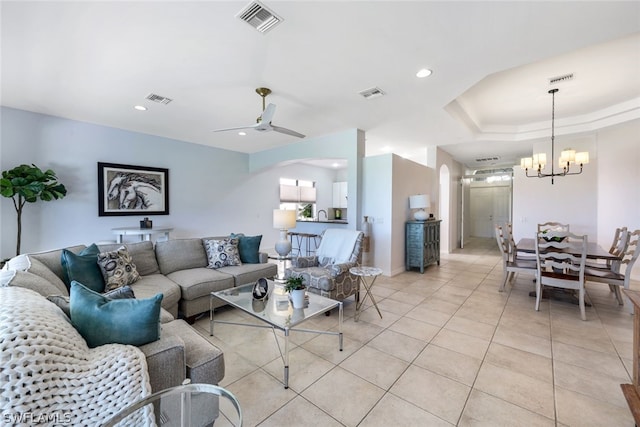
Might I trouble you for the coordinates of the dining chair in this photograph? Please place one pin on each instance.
(553, 226)
(511, 264)
(514, 248)
(614, 275)
(618, 246)
(561, 264)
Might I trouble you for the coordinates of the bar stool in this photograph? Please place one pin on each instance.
(306, 241)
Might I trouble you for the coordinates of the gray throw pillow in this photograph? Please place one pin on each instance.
(222, 253)
(117, 268)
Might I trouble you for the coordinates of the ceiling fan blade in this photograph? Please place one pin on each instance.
(268, 113)
(287, 131)
(237, 128)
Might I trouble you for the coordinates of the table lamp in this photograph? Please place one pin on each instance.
(283, 220)
(419, 201)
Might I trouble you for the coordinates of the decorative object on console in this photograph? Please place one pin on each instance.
(132, 190)
(26, 184)
(146, 223)
(366, 241)
(283, 220)
(567, 157)
(419, 201)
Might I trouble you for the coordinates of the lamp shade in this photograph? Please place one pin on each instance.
(283, 219)
(419, 201)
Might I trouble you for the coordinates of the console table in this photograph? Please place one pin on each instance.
(422, 240)
(144, 233)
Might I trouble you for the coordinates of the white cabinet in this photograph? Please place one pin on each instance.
(340, 194)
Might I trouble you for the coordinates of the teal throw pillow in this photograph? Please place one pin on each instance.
(83, 268)
(101, 320)
(249, 248)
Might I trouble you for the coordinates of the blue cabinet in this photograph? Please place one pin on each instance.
(422, 240)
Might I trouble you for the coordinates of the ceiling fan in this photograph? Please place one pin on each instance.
(263, 123)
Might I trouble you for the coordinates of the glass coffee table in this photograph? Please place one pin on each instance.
(276, 312)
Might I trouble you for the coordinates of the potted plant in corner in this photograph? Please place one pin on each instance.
(26, 183)
(296, 289)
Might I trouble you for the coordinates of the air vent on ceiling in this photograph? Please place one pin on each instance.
(259, 16)
(158, 98)
(488, 159)
(373, 92)
(560, 79)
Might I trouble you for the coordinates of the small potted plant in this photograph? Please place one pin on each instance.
(296, 289)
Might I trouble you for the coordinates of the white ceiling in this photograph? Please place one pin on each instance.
(93, 61)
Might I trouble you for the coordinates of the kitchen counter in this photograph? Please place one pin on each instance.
(326, 221)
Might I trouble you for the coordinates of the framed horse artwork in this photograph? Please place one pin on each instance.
(132, 190)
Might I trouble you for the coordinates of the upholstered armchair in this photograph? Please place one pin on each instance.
(327, 273)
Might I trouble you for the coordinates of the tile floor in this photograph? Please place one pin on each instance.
(449, 350)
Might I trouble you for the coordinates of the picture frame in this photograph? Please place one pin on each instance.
(132, 190)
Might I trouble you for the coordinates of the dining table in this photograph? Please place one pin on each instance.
(594, 251)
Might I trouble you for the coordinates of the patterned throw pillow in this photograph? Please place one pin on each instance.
(222, 253)
(117, 268)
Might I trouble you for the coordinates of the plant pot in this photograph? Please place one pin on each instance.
(297, 298)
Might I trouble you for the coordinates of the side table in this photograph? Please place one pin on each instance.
(363, 272)
(282, 260)
(186, 406)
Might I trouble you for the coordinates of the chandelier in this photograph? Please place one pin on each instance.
(568, 157)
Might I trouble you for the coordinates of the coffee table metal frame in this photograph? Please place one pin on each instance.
(277, 312)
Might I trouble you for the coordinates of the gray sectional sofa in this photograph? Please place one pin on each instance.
(178, 270)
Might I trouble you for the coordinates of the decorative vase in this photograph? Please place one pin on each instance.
(366, 241)
(297, 298)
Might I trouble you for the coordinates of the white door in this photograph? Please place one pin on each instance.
(489, 206)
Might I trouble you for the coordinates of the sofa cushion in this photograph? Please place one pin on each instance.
(222, 252)
(83, 268)
(148, 286)
(248, 247)
(51, 259)
(101, 320)
(142, 253)
(39, 269)
(249, 273)
(117, 268)
(198, 282)
(180, 254)
(26, 279)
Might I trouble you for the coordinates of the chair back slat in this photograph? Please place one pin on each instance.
(567, 256)
(552, 225)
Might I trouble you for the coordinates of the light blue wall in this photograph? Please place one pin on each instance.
(212, 191)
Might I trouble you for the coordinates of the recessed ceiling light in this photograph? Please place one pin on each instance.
(386, 149)
(425, 72)
(242, 133)
(140, 108)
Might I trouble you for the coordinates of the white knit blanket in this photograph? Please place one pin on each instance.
(48, 375)
(337, 244)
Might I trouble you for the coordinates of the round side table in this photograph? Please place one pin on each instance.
(185, 406)
(362, 273)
